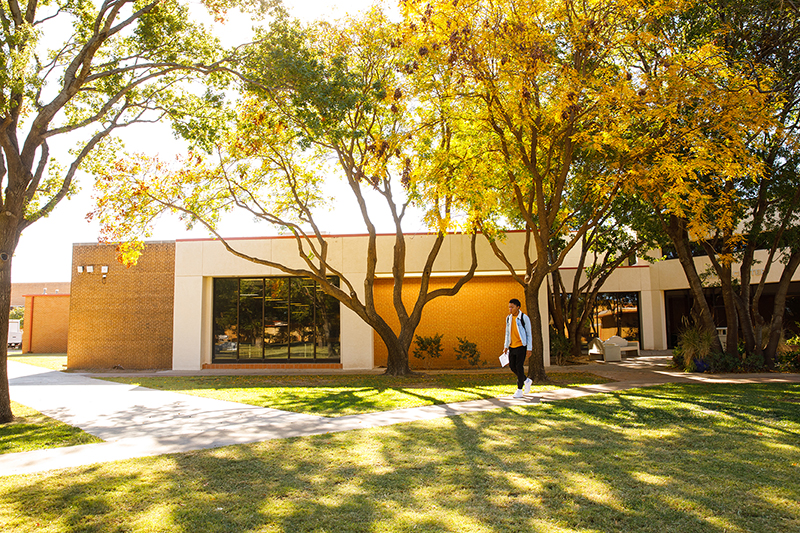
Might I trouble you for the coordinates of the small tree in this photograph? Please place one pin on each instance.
(428, 348)
(468, 351)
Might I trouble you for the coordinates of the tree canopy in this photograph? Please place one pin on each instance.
(316, 103)
(539, 90)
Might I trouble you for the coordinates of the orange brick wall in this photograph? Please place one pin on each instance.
(476, 313)
(125, 319)
(46, 323)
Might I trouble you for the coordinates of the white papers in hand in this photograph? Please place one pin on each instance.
(504, 359)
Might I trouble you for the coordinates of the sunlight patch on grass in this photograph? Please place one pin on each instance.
(52, 361)
(31, 430)
(585, 485)
(340, 395)
(575, 466)
(650, 479)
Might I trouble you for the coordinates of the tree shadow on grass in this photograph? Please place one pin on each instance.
(571, 466)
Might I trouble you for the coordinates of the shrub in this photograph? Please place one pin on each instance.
(752, 362)
(725, 362)
(787, 358)
(560, 346)
(428, 348)
(18, 313)
(469, 351)
(694, 345)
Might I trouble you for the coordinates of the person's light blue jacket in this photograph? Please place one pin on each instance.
(528, 339)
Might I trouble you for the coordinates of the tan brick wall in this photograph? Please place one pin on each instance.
(476, 313)
(46, 323)
(126, 318)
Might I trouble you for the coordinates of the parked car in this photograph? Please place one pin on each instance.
(14, 334)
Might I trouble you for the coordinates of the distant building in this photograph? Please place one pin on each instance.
(46, 323)
(19, 290)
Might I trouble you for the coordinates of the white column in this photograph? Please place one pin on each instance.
(187, 323)
(358, 351)
(654, 320)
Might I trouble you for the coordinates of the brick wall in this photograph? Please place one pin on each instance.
(20, 290)
(46, 323)
(124, 319)
(476, 313)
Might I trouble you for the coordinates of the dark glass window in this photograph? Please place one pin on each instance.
(226, 317)
(274, 319)
(251, 316)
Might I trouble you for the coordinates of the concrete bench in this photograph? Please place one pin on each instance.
(624, 345)
(606, 352)
(612, 349)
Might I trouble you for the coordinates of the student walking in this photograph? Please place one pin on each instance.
(518, 345)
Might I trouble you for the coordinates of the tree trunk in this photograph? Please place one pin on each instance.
(680, 238)
(536, 361)
(779, 309)
(731, 314)
(6, 415)
(558, 306)
(397, 360)
(575, 337)
(397, 363)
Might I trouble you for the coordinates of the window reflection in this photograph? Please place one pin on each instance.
(617, 313)
(226, 299)
(251, 310)
(274, 319)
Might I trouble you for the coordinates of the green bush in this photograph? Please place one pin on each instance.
(694, 347)
(428, 348)
(725, 362)
(469, 351)
(741, 362)
(560, 347)
(788, 360)
(752, 362)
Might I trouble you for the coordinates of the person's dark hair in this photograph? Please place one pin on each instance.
(515, 302)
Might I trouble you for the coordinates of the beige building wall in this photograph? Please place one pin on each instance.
(197, 262)
(46, 323)
(121, 317)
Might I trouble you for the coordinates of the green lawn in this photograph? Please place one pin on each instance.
(31, 430)
(676, 458)
(346, 395)
(53, 361)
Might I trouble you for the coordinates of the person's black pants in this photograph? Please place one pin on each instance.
(516, 360)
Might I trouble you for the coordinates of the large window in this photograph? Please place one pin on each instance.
(274, 319)
(616, 313)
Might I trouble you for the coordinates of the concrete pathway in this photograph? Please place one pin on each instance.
(138, 422)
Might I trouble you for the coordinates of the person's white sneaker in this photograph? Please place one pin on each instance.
(527, 389)
(518, 394)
